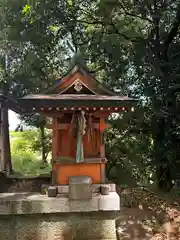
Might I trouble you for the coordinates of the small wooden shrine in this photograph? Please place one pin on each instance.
(79, 106)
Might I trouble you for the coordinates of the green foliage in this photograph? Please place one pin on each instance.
(43, 142)
(23, 141)
(26, 9)
(26, 158)
(27, 164)
(129, 150)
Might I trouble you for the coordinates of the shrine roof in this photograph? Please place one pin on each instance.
(75, 97)
(81, 74)
(70, 100)
(78, 88)
(10, 103)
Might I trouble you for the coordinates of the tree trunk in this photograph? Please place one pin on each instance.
(2, 164)
(7, 164)
(164, 178)
(163, 166)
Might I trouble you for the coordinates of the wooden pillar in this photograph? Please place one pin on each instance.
(55, 138)
(54, 147)
(102, 146)
(55, 130)
(102, 149)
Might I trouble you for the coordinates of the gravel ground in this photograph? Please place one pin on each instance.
(147, 215)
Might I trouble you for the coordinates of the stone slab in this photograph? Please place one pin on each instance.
(29, 203)
(107, 202)
(95, 188)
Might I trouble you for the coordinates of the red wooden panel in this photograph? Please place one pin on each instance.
(63, 172)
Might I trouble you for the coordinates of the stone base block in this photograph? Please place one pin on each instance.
(80, 188)
(95, 188)
(64, 189)
(29, 203)
(57, 227)
(27, 216)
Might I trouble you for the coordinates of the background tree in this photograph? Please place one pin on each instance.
(150, 30)
(44, 141)
(132, 46)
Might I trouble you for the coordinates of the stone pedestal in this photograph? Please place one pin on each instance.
(80, 188)
(57, 227)
(26, 216)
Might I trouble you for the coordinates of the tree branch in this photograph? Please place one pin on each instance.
(156, 23)
(117, 31)
(173, 31)
(111, 24)
(132, 14)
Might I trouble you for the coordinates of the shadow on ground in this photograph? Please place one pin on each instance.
(146, 215)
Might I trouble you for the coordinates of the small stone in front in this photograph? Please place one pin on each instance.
(52, 191)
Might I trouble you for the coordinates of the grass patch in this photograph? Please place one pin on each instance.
(27, 164)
